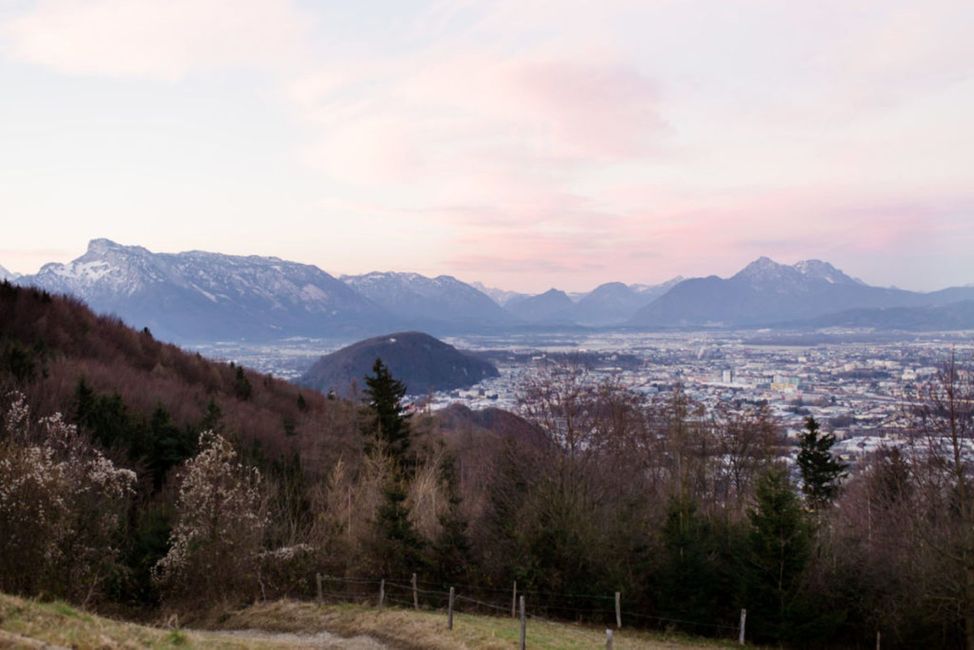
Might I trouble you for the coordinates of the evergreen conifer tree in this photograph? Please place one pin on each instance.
(451, 554)
(241, 385)
(778, 550)
(821, 471)
(689, 583)
(387, 422)
(399, 546)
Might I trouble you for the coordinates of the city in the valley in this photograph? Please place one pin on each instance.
(857, 384)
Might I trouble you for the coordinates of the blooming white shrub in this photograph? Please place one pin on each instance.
(216, 540)
(62, 504)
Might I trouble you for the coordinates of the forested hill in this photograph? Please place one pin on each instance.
(420, 361)
(49, 344)
(136, 390)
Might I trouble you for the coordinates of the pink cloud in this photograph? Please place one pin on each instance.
(156, 39)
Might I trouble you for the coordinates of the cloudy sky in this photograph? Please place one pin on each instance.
(524, 143)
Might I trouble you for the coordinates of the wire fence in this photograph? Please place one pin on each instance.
(594, 609)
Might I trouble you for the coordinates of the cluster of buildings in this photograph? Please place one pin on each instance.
(861, 390)
(859, 387)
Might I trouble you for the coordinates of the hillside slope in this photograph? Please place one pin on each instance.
(28, 623)
(952, 316)
(426, 630)
(48, 344)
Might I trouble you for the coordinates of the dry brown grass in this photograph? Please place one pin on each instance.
(31, 624)
(287, 624)
(426, 630)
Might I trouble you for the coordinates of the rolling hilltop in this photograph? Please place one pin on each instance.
(423, 363)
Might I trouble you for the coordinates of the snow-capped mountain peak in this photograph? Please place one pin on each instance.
(420, 299)
(8, 276)
(180, 294)
(817, 269)
(765, 272)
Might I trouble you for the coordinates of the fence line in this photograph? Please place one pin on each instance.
(367, 588)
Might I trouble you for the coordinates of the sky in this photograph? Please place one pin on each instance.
(522, 143)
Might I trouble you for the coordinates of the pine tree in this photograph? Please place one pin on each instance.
(387, 422)
(387, 430)
(451, 554)
(821, 471)
(778, 550)
(689, 583)
(398, 547)
(241, 385)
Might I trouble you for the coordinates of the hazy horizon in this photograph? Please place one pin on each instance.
(525, 145)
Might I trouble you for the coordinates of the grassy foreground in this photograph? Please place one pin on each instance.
(28, 623)
(416, 630)
(31, 624)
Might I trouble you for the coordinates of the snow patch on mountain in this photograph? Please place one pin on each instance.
(7, 275)
(200, 294)
(420, 300)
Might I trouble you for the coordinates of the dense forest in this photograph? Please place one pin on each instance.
(137, 477)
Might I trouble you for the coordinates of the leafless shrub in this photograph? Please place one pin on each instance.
(61, 506)
(219, 527)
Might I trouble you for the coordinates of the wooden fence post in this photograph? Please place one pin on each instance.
(415, 594)
(524, 626)
(878, 639)
(449, 612)
(740, 636)
(608, 638)
(318, 582)
(514, 602)
(618, 610)
(382, 592)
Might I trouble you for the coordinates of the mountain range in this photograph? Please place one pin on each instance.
(426, 303)
(200, 296)
(766, 293)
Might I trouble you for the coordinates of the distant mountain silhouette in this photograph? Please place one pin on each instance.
(196, 297)
(500, 296)
(199, 296)
(440, 303)
(766, 292)
(952, 316)
(425, 364)
(613, 303)
(551, 307)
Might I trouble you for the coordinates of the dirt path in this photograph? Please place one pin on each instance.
(319, 640)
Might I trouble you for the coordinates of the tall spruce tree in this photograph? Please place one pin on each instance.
(778, 551)
(687, 581)
(398, 547)
(820, 469)
(451, 553)
(387, 423)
